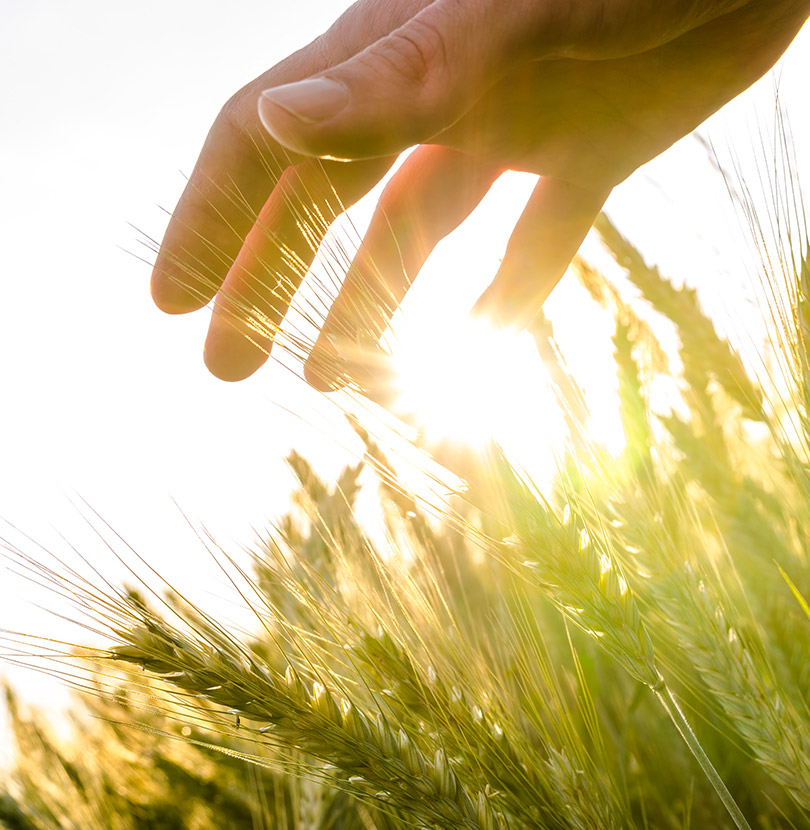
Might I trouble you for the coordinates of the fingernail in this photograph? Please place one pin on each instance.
(316, 99)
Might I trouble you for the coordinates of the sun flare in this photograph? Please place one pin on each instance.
(470, 383)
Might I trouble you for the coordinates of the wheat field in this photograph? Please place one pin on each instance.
(624, 649)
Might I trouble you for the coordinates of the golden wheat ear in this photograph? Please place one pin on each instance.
(490, 654)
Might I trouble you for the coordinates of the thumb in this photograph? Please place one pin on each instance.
(400, 90)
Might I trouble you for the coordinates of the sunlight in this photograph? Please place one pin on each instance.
(469, 383)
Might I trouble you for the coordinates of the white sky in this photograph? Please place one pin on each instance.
(102, 106)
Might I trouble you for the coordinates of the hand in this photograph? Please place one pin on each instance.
(581, 93)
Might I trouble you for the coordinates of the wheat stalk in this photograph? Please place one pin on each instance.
(751, 699)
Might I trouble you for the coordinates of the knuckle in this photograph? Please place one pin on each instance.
(237, 135)
(340, 41)
(419, 53)
(236, 117)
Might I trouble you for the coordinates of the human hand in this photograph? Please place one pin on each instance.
(580, 93)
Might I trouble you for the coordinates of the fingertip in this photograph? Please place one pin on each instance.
(500, 311)
(484, 307)
(231, 355)
(171, 296)
(545, 240)
(324, 369)
(225, 368)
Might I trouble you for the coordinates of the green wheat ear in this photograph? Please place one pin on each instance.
(490, 658)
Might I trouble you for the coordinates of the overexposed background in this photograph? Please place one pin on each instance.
(103, 108)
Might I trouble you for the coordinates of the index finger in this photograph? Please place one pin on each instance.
(240, 164)
(230, 183)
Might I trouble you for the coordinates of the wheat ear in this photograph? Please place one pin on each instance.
(367, 756)
(576, 569)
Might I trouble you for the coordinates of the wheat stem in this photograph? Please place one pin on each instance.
(670, 704)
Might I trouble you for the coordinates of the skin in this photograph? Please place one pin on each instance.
(581, 92)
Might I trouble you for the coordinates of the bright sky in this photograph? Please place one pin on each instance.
(102, 107)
